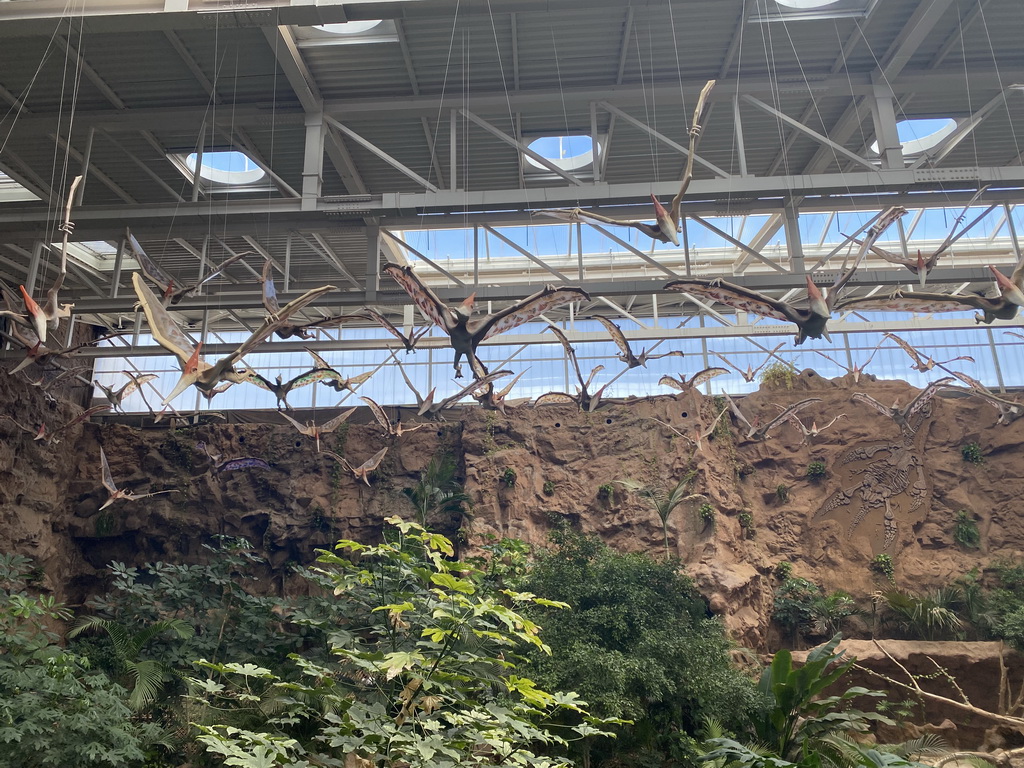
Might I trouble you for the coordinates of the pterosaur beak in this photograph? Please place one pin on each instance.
(665, 222)
(1009, 289)
(922, 270)
(186, 381)
(34, 311)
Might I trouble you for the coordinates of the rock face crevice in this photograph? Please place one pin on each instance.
(525, 468)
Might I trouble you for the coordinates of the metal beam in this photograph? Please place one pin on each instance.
(374, 149)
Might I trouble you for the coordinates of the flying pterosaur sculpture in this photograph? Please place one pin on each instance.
(117, 396)
(902, 415)
(427, 407)
(585, 400)
(409, 342)
(316, 431)
(1003, 307)
(273, 306)
(115, 492)
(625, 351)
(465, 332)
(811, 322)
(690, 384)
(854, 369)
(922, 265)
(203, 375)
(163, 281)
(666, 226)
(757, 431)
(496, 399)
(391, 428)
(812, 431)
(1009, 411)
(920, 364)
(699, 434)
(362, 472)
(751, 373)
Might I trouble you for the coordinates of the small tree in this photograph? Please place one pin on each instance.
(665, 502)
(424, 671)
(437, 492)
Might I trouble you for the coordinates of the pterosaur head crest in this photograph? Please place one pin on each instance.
(1009, 289)
(665, 222)
(466, 307)
(818, 304)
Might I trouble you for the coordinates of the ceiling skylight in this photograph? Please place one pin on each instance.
(348, 33)
(806, 10)
(222, 170)
(13, 192)
(921, 134)
(570, 153)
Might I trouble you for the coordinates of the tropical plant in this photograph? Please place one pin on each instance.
(778, 376)
(782, 493)
(966, 532)
(972, 453)
(664, 502)
(928, 617)
(147, 676)
(800, 726)
(637, 643)
(437, 492)
(54, 709)
(829, 612)
(793, 601)
(783, 569)
(816, 471)
(423, 671)
(883, 565)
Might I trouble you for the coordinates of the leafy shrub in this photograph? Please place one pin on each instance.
(55, 709)
(424, 671)
(882, 564)
(549, 488)
(778, 376)
(508, 477)
(606, 491)
(971, 452)
(803, 607)
(438, 493)
(783, 569)
(782, 493)
(966, 532)
(637, 643)
(929, 617)
(706, 513)
(746, 520)
(816, 471)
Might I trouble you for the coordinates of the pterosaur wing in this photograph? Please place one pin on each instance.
(920, 302)
(736, 296)
(617, 336)
(423, 297)
(926, 395)
(523, 311)
(166, 332)
(108, 479)
(149, 267)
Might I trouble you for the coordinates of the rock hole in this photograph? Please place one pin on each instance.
(558, 423)
(18, 499)
(298, 443)
(241, 440)
(440, 433)
(685, 414)
(607, 421)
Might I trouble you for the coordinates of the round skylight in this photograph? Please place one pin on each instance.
(921, 134)
(349, 27)
(227, 167)
(570, 153)
(804, 5)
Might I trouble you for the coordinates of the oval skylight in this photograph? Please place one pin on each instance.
(349, 27)
(570, 153)
(804, 5)
(227, 167)
(921, 134)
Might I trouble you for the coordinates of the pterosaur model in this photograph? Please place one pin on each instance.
(314, 431)
(1009, 411)
(688, 385)
(362, 472)
(426, 405)
(204, 376)
(117, 396)
(666, 226)
(279, 388)
(586, 400)
(902, 415)
(495, 399)
(333, 378)
(45, 386)
(699, 434)
(409, 342)
(392, 429)
(1003, 307)
(757, 431)
(920, 364)
(922, 265)
(40, 318)
(37, 352)
(751, 373)
(115, 492)
(273, 307)
(625, 352)
(811, 322)
(812, 431)
(466, 333)
(165, 282)
(854, 368)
